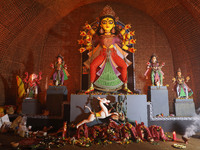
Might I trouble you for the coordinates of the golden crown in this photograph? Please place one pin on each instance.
(107, 11)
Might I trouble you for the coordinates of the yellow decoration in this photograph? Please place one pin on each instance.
(20, 84)
(122, 32)
(125, 47)
(1, 111)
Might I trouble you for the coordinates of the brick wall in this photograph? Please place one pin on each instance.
(62, 38)
(32, 34)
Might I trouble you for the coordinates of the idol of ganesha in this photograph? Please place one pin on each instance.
(107, 42)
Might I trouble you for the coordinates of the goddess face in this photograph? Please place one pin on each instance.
(179, 73)
(107, 24)
(59, 60)
(33, 77)
(154, 59)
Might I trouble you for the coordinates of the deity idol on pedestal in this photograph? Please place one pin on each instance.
(57, 93)
(106, 40)
(181, 87)
(157, 90)
(28, 89)
(60, 72)
(156, 72)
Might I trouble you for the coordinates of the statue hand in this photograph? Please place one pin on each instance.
(128, 26)
(52, 66)
(173, 80)
(187, 78)
(87, 26)
(65, 66)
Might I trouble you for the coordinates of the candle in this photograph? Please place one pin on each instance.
(136, 123)
(64, 130)
(174, 136)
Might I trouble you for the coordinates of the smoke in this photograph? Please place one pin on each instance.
(195, 127)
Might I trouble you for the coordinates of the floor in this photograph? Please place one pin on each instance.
(193, 144)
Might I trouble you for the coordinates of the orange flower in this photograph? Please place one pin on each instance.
(82, 49)
(82, 33)
(128, 26)
(81, 41)
(132, 33)
(132, 50)
(132, 41)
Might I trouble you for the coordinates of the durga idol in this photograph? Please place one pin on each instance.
(107, 42)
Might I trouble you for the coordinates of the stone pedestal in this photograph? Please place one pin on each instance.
(184, 107)
(136, 106)
(159, 100)
(31, 107)
(55, 97)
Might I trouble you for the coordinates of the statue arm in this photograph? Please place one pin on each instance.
(26, 78)
(173, 80)
(162, 65)
(52, 65)
(187, 79)
(88, 27)
(127, 40)
(123, 31)
(148, 68)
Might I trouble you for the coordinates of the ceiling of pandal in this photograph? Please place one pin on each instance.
(151, 7)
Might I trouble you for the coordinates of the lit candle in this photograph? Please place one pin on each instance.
(174, 136)
(136, 123)
(64, 130)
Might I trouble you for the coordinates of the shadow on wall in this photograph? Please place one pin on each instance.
(8, 93)
(29, 65)
(9, 90)
(57, 35)
(4, 87)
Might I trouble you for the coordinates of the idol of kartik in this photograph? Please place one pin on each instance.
(60, 72)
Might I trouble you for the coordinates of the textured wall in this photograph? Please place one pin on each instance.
(32, 33)
(62, 38)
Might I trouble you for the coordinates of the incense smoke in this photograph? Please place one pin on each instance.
(195, 127)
